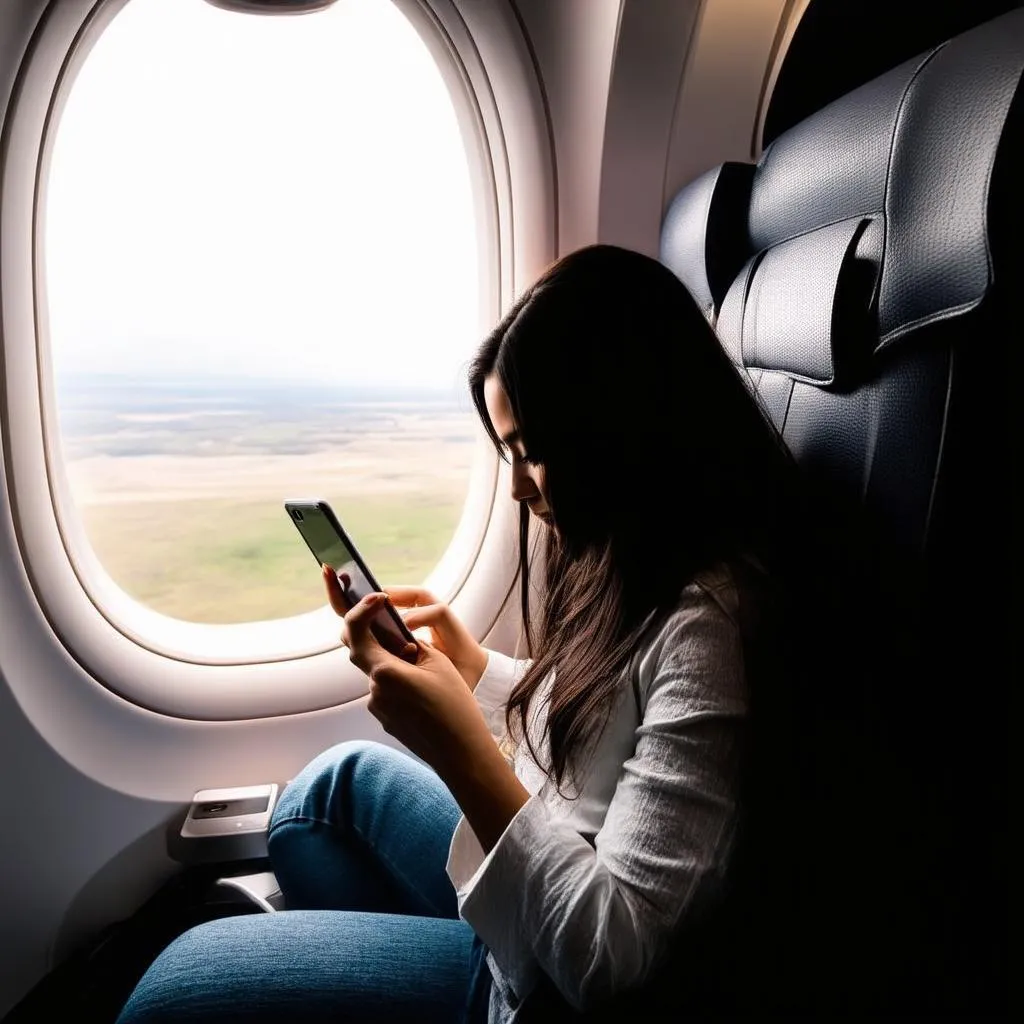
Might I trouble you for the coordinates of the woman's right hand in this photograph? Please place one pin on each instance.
(419, 608)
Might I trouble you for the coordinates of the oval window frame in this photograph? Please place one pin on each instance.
(253, 669)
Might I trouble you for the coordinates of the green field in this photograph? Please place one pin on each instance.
(223, 561)
(179, 484)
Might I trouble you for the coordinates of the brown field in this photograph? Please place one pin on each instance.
(204, 537)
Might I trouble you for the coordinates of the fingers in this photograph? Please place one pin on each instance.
(431, 615)
(365, 651)
(389, 700)
(410, 597)
(336, 587)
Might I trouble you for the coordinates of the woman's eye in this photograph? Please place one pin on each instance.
(510, 455)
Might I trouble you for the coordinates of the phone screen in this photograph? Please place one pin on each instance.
(328, 542)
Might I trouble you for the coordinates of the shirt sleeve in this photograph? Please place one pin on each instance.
(493, 688)
(598, 918)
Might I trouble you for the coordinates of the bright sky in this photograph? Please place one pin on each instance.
(270, 196)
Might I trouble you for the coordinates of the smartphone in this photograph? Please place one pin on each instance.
(330, 544)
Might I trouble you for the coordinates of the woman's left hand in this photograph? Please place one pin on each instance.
(427, 705)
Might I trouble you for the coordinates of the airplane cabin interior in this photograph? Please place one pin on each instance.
(837, 184)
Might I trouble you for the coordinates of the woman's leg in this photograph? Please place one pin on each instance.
(306, 967)
(361, 827)
(365, 827)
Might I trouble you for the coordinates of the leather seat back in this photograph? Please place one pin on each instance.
(862, 276)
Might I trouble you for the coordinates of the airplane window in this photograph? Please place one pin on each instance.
(262, 282)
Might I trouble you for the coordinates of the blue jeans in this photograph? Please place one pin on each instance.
(359, 842)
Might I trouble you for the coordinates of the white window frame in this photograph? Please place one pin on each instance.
(289, 666)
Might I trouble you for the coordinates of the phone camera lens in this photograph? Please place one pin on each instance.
(297, 515)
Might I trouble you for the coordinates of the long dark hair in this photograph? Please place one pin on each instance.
(659, 464)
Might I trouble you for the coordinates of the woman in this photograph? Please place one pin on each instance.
(576, 813)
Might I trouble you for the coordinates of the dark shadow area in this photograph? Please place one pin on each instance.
(841, 44)
(92, 984)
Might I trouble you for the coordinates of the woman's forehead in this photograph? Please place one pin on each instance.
(499, 408)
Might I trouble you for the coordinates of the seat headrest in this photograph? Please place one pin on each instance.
(872, 215)
(936, 262)
(703, 238)
(831, 166)
(803, 307)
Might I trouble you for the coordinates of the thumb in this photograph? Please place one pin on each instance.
(335, 587)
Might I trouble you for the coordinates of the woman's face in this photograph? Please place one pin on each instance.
(528, 482)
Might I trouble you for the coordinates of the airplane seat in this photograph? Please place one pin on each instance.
(704, 235)
(872, 312)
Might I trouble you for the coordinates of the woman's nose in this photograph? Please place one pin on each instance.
(523, 486)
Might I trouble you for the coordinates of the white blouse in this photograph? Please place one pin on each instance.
(590, 890)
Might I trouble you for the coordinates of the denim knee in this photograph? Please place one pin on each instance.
(365, 826)
(304, 797)
(356, 764)
(307, 967)
(167, 984)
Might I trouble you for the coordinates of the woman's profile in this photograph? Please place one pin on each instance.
(568, 815)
